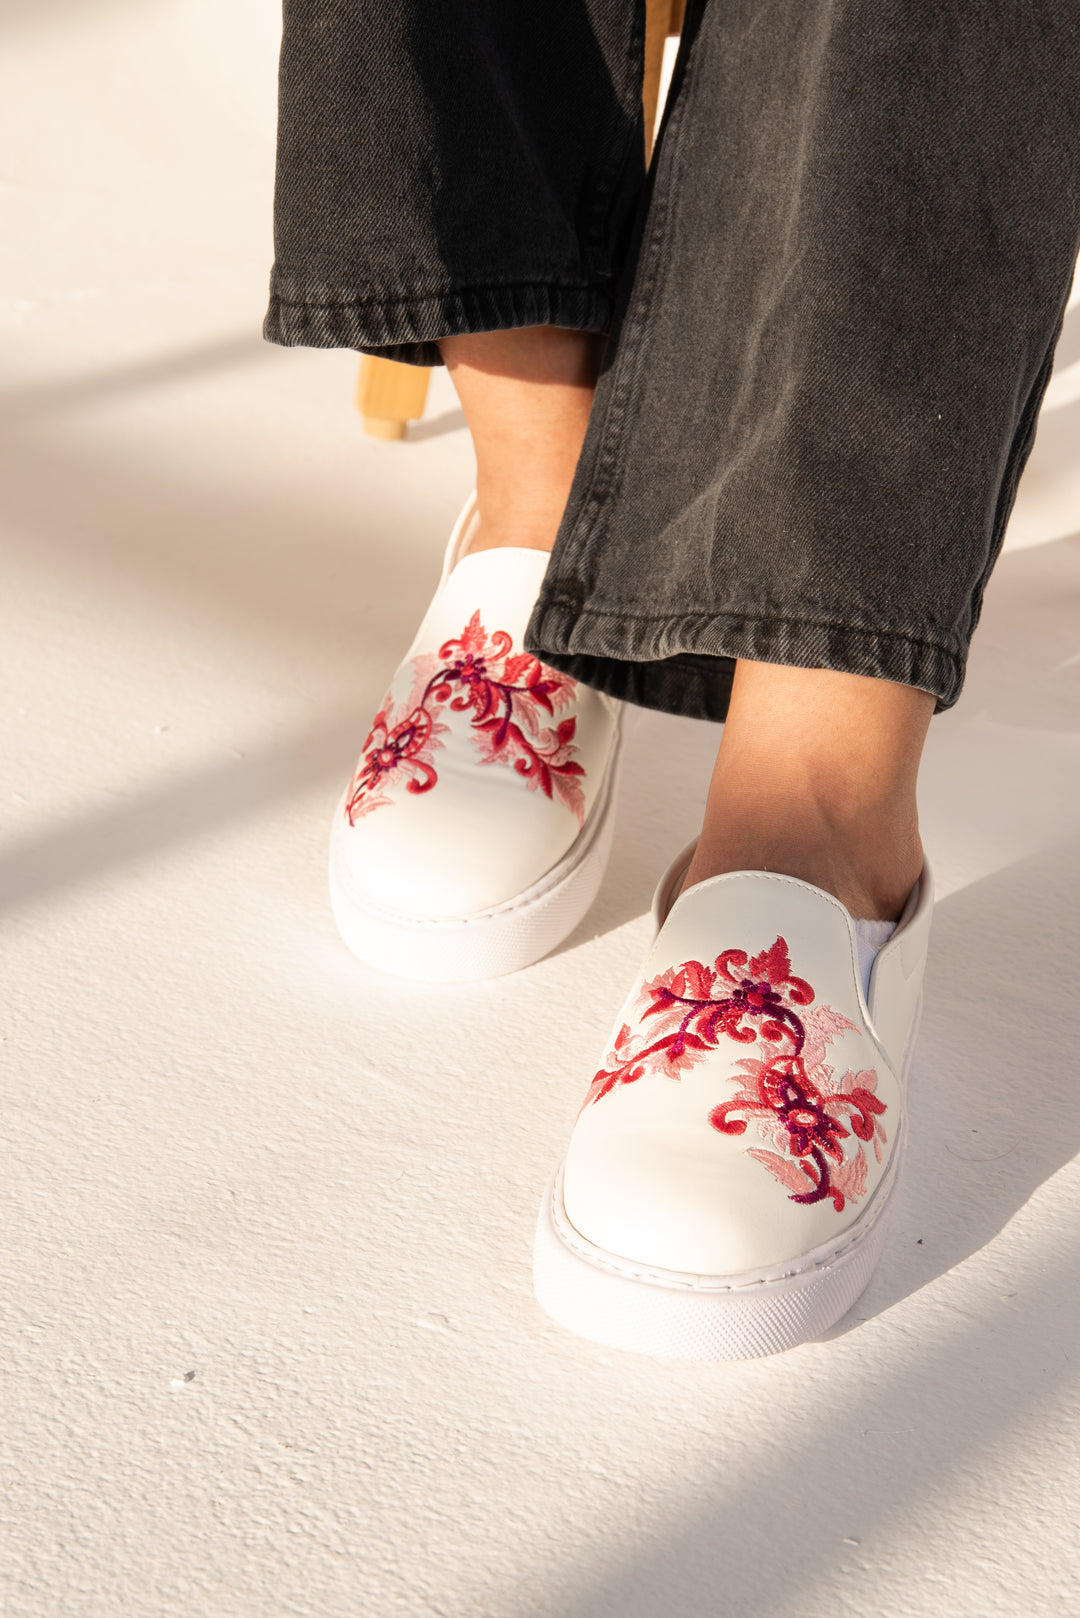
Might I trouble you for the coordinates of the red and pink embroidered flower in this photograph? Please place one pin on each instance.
(507, 697)
(800, 1107)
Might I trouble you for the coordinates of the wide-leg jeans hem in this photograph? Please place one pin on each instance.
(685, 663)
(407, 326)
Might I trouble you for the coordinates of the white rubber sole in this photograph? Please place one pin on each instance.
(610, 1300)
(489, 943)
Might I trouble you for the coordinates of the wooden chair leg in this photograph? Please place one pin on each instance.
(657, 17)
(388, 395)
(662, 18)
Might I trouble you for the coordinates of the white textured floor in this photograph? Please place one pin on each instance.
(267, 1330)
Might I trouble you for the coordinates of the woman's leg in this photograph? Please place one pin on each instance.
(457, 179)
(815, 778)
(526, 396)
(816, 405)
(823, 384)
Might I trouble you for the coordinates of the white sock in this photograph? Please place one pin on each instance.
(870, 936)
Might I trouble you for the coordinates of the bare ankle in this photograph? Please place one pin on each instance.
(815, 779)
(526, 396)
(518, 520)
(870, 867)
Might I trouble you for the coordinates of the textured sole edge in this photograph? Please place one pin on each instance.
(491, 943)
(604, 1298)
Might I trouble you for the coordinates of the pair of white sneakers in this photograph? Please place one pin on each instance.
(727, 1185)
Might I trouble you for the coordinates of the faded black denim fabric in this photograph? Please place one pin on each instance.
(452, 166)
(831, 325)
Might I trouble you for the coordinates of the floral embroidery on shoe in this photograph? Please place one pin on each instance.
(506, 697)
(802, 1109)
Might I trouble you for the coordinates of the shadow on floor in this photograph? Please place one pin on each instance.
(450, 421)
(21, 404)
(779, 1517)
(259, 556)
(993, 1115)
(178, 810)
(32, 15)
(1024, 669)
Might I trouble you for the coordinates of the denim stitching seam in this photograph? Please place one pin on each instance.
(579, 613)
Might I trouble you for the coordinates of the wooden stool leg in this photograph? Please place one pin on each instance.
(657, 17)
(389, 394)
(662, 18)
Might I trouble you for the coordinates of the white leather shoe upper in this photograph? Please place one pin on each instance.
(482, 764)
(751, 1100)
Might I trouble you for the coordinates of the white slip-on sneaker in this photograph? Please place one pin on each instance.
(474, 834)
(730, 1177)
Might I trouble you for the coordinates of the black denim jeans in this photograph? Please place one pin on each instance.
(832, 303)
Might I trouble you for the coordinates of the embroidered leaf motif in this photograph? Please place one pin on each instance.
(473, 639)
(508, 696)
(848, 1179)
(399, 747)
(694, 980)
(792, 1174)
(810, 1117)
(772, 963)
(821, 1026)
